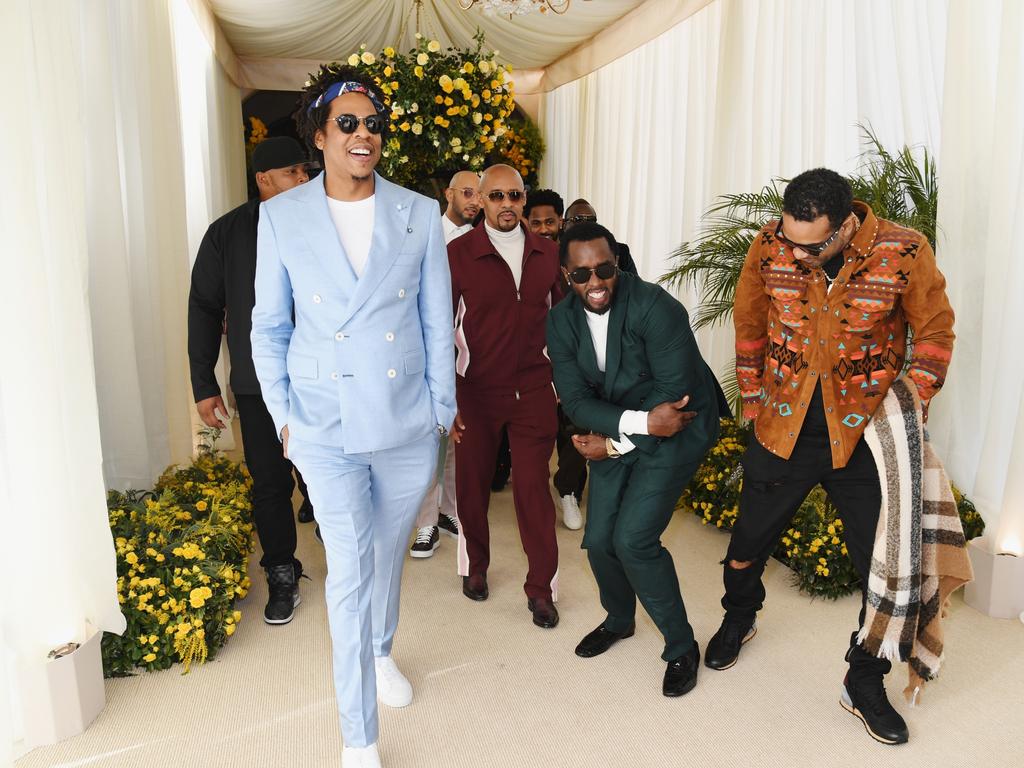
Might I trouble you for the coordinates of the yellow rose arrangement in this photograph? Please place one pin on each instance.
(182, 562)
(813, 545)
(449, 109)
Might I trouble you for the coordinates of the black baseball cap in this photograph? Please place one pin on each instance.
(277, 152)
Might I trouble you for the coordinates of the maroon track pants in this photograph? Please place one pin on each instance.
(532, 426)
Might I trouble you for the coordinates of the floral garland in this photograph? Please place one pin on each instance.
(449, 110)
(182, 561)
(813, 545)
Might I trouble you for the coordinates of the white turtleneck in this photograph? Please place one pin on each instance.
(510, 246)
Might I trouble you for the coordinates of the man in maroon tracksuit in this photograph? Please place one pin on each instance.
(504, 281)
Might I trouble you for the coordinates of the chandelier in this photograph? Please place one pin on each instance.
(516, 7)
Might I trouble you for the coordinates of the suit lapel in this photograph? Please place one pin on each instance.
(613, 355)
(586, 355)
(392, 210)
(318, 228)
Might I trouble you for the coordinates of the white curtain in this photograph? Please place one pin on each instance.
(97, 237)
(213, 151)
(59, 567)
(138, 250)
(979, 418)
(740, 92)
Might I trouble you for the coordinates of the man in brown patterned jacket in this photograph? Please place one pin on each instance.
(822, 312)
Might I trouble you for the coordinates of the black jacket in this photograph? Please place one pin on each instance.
(223, 281)
(626, 259)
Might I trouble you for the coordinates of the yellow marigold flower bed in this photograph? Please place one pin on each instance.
(182, 561)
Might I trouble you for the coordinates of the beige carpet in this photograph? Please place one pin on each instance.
(493, 690)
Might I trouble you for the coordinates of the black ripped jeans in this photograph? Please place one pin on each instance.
(774, 489)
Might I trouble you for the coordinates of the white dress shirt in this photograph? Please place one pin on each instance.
(631, 422)
(453, 230)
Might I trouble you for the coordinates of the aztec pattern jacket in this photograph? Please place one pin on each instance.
(794, 332)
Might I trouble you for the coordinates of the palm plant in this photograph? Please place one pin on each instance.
(900, 187)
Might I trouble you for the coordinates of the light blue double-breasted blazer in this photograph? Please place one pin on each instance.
(364, 364)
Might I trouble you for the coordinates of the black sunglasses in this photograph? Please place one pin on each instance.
(812, 249)
(348, 123)
(497, 195)
(582, 219)
(605, 271)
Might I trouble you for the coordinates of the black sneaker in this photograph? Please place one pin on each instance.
(427, 540)
(865, 698)
(306, 512)
(448, 525)
(724, 648)
(283, 583)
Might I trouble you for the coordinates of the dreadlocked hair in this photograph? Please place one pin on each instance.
(308, 122)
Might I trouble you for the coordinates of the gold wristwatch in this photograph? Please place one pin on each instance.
(613, 452)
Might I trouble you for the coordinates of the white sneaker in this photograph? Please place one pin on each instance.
(571, 515)
(393, 689)
(360, 757)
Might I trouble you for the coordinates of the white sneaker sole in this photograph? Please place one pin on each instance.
(847, 703)
(420, 554)
(295, 603)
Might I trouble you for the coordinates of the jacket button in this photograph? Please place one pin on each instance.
(409, 230)
(389, 336)
(316, 298)
(334, 375)
(339, 336)
(401, 293)
(392, 373)
(829, 410)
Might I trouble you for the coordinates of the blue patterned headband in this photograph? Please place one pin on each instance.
(336, 89)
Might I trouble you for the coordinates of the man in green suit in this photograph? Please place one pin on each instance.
(625, 365)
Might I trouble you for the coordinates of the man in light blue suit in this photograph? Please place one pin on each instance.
(352, 342)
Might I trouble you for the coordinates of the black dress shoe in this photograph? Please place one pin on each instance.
(600, 640)
(475, 587)
(544, 612)
(724, 648)
(681, 674)
(306, 512)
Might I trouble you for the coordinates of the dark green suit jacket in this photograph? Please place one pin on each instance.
(651, 358)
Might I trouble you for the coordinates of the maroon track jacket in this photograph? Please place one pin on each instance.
(499, 330)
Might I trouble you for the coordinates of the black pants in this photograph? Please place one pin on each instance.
(571, 475)
(272, 482)
(774, 489)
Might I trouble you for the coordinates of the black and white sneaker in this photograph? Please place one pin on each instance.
(448, 525)
(427, 540)
(283, 585)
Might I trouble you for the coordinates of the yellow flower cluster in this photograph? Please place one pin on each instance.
(257, 132)
(447, 109)
(182, 555)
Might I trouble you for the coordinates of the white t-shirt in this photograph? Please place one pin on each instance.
(354, 222)
(453, 230)
(510, 246)
(631, 422)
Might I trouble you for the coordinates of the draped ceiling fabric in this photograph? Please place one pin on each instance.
(326, 30)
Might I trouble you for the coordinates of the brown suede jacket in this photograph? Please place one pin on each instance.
(792, 331)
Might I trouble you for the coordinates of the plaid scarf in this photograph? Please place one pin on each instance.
(920, 556)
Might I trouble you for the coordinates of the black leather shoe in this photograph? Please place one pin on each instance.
(600, 640)
(724, 648)
(865, 698)
(306, 512)
(475, 587)
(681, 674)
(544, 612)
